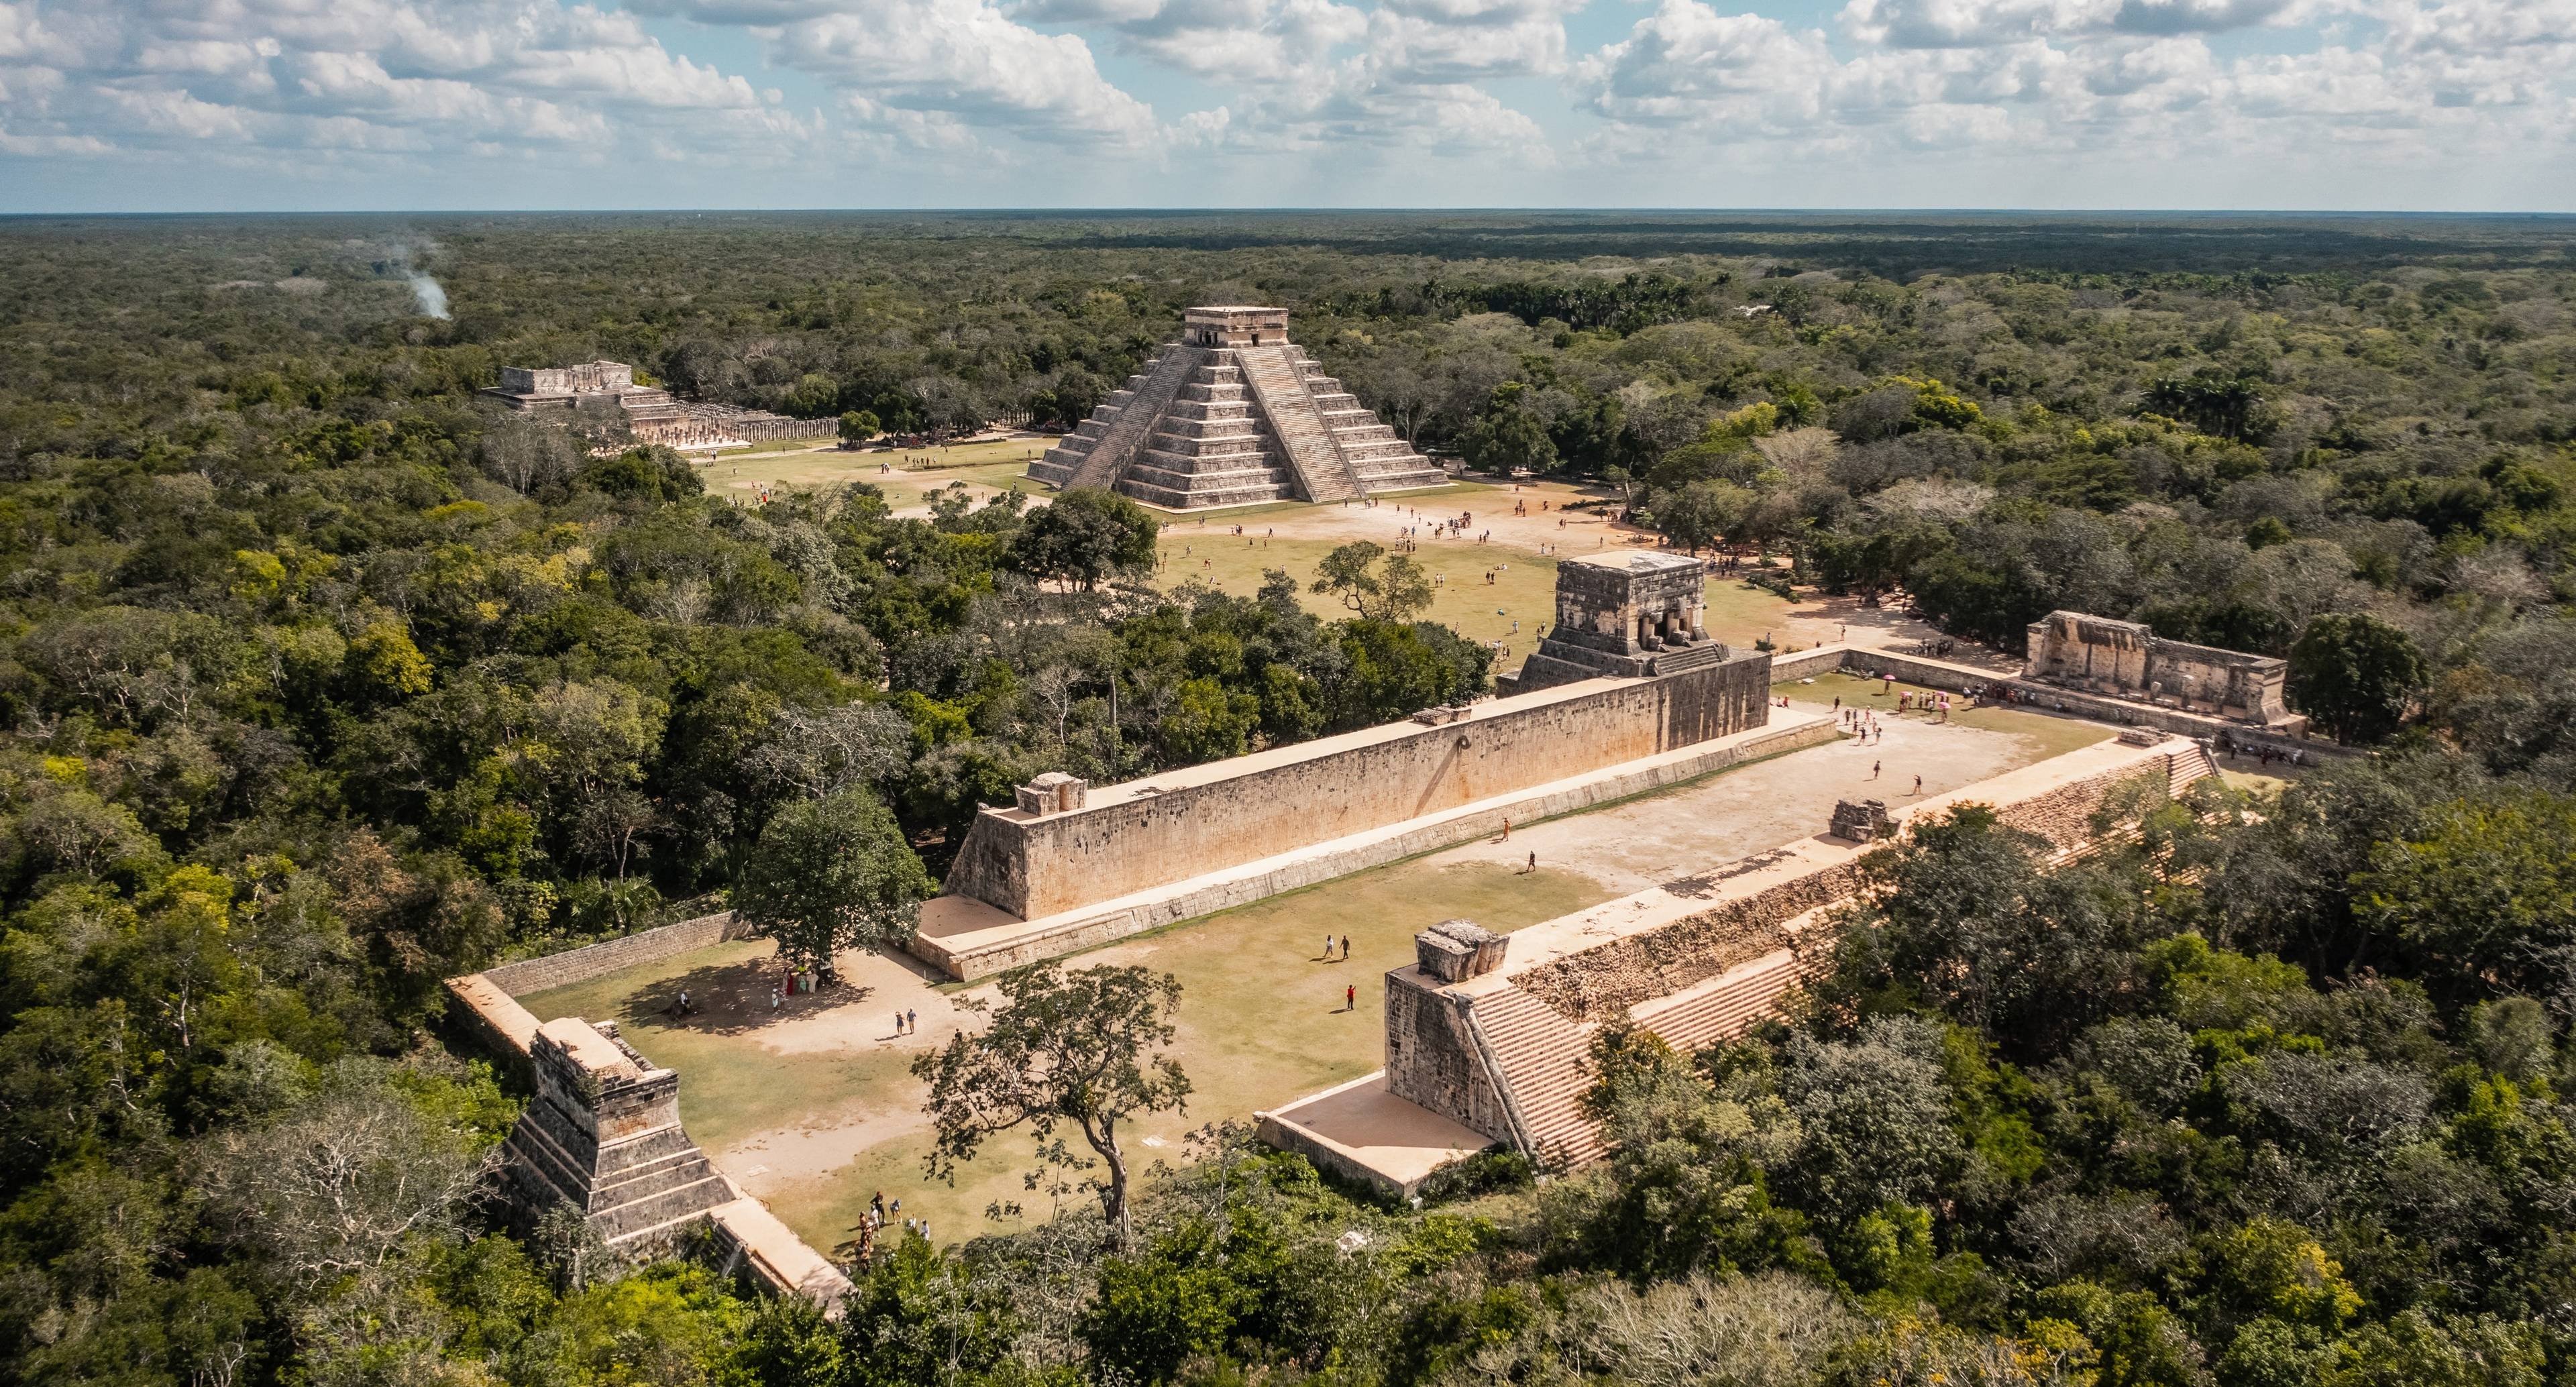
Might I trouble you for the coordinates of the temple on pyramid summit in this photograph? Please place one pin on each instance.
(1232, 414)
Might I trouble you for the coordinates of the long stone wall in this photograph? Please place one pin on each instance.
(598, 960)
(981, 956)
(1939, 674)
(1132, 838)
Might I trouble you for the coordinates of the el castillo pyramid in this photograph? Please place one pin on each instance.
(1231, 414)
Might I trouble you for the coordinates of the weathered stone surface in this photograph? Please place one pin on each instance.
(1863, 822)
(1234, 414)
(604, 1136)
(1454, 950)
(1632, 613)
(2126, 659)
(1052, 793)
(1144, 834)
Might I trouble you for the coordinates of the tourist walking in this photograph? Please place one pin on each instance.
(912, 1019)
(1351, 997)
(1918, 786)
(898, 1023)
(1346, 948)
(1873, 770)
(1328, 947)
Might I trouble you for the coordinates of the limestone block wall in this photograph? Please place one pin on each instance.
(1431, 1054)
(1601, 984)
(1036, 866)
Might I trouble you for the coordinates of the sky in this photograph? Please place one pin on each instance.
(309, 105)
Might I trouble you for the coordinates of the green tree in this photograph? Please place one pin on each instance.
(1509, 436)
(1085, 536)
(1378, 585)
(832, 874)
(858, 426)
(1076, 1048)
(1701, 512)
(2484, 889)
(2355, 674)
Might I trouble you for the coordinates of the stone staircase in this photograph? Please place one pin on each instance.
(1542, 1056)
(1097, 453)
(1208, 449)
(1689, 657)
(1379, 460)
(1278, 385)
(1201, 427)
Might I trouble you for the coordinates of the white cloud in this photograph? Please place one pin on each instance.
(1172, 95)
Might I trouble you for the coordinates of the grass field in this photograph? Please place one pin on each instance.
(1262, 1022)
(1524, 589)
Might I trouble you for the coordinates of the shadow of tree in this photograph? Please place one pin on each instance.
(733, 999)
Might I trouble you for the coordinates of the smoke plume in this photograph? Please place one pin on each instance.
(433, 300)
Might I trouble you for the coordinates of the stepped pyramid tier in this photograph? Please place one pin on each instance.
(1233, 414)
(604, 1136)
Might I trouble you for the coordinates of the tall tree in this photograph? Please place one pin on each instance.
(831, 874)
(2355, 674)
(1087, 535)
(1064, 1048)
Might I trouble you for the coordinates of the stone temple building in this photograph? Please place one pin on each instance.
(651, 412)
(1231, 414)
(2127, 660)
(1632, 613)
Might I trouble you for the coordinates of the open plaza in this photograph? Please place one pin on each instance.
(1394, 944)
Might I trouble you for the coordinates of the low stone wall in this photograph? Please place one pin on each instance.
(598, 960)
(987, 958)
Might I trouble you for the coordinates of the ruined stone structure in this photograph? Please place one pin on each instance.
(604, 1136)
(1638, 612)
(1232, 414)
(1059, 848)
(652, 414)
(1495, 1042)
(1456, 950)
(1865, 822)
(2127, 660)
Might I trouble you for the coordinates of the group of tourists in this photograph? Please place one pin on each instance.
(873, 1221)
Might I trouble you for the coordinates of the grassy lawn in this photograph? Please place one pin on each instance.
(1262, 1022)
(2056, 736)
(1524, 589)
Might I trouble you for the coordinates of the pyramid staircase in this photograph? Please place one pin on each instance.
(1201, 427)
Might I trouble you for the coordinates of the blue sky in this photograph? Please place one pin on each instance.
(163, 105)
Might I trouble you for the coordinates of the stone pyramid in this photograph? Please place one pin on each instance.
(1234, 414)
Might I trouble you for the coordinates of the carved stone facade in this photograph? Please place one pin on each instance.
(2126, 659)
(1630, 614)
(604, 1136)
(1233, 414)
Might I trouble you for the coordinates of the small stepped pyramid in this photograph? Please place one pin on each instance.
(1232, 415)
(603, 1135)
